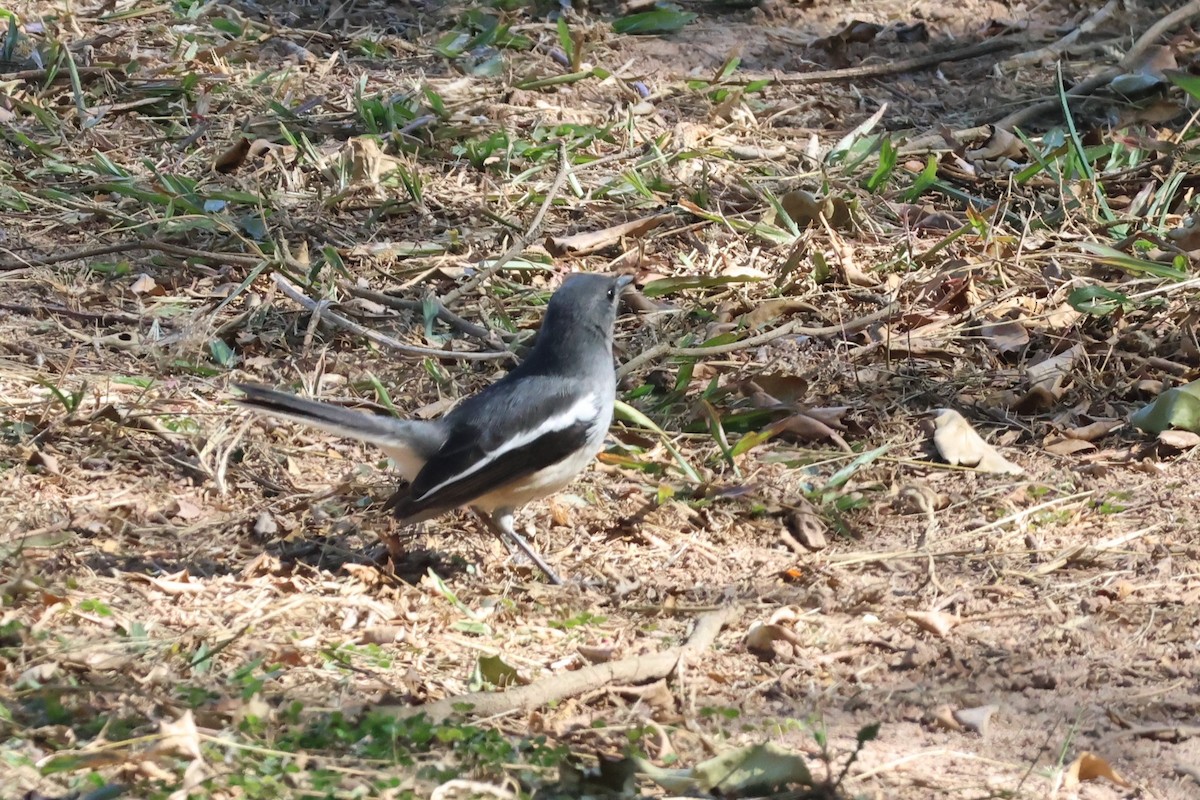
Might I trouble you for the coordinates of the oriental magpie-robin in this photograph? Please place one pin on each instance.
(520, 439)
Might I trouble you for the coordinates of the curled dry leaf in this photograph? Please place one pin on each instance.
(976, 719)
(1147, 73)
(805, 209)
(943, 717)
(1005, 336)
(1179, 440)
(938, 623)
(597, 654)
(1094, 430)
(1187, 235)
(958, 443)
(144, 284)
(804, 426)
(806, 528)
(1001, 144)
(179, 738)
(1052, 373)
(233, 156)
(1066, 446)
(582, 244)
(765, 641)
(1089, 767)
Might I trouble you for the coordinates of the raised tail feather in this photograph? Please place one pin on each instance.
(410, 443)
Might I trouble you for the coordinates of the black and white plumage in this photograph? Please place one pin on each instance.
(520, 439)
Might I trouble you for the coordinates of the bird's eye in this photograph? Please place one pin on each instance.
(612, 293)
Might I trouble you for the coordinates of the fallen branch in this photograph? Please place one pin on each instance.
(489, 337)
(1128, 63)
(1055, 51)
(321, 309)
(569, 684)
(882, 69)
(233, 259)
(789, 328)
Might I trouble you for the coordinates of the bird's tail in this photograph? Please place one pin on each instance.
(410, 443)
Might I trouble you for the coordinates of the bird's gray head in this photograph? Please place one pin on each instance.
(584, 306)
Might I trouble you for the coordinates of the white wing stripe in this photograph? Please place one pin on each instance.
(585, 408)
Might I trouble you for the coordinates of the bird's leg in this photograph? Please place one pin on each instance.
(500, 522)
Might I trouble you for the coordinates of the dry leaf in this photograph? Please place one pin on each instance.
(1179, 440)
(1089, 767)
(1066, 446)
(179, 738)
(1005, 336)
(1001, 144)
(582, 244)
(233, 156)
(938, 623)
(143, 285)
(976, 719)
(958, 443)
(770, 641)
(1051, 373)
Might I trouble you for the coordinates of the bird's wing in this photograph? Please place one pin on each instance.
(501, 440)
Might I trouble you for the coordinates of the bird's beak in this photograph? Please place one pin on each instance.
(623, 281)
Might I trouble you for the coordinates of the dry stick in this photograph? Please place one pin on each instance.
(1056, 49)
(1144, 42)
(322, 308)
(236, 259)
(793, 327)
(877, 70)
(466, 327)
(569, 684)
(523, 241)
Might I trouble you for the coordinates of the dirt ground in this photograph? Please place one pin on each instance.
(160, 549)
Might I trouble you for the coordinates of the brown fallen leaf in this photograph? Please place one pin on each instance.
(806, 528)
(1089, 767)
(943, 717)
(805, 208)
(1179, 440)
(1001, 144)
(233, 156)
(1052, 373)
(582, 244)
(803, 426)
(1005, 336)
(938, 623)
(1095, 430)
(1066, 446)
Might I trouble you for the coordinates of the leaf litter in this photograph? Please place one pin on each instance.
(185, 589)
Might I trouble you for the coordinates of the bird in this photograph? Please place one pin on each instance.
(518, 440)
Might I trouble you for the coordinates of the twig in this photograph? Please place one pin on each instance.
(1055, 50)
(236, 259)
(878, 70)
(569, 684)
(60, 74)
(322, 308)
(99, 317)
(521, 242)
(789, 328)
(1087, 87)
(466, 327)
